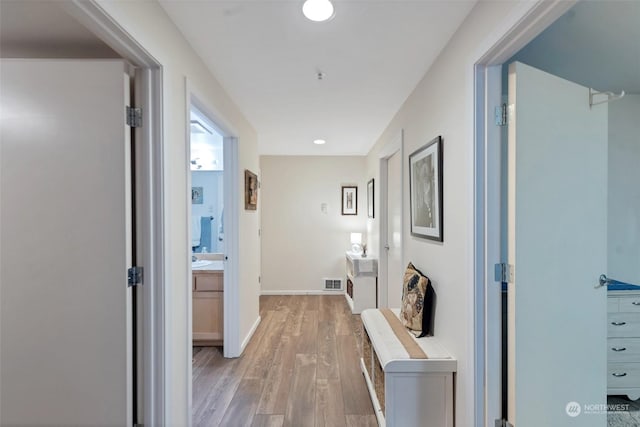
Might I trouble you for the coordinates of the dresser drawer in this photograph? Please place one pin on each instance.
(629, 304)
(623, 350)
(623, 325)
(623, 375)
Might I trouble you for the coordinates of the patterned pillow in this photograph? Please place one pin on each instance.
(417, 302)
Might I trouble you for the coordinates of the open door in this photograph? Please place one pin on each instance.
(557, 243)
(66, 243)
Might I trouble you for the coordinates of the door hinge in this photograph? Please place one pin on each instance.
(503, 423)
(501, 115)
(134, 117)
(504, 272)
(135, 276)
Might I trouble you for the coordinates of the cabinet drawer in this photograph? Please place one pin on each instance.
(623, 325)
(623, 350)
(629, 304)
(612, 305)
(623, 375)
(208, 282)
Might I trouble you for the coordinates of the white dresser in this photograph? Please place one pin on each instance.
(406, 392)
(623, 343)
(362, 282)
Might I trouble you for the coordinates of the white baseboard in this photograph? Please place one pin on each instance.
(250, 334)
(320, 292)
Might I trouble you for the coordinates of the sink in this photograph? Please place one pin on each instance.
(201, 263)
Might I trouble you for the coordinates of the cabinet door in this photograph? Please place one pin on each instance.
(208, 315)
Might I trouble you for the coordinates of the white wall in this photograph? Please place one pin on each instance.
(301, 245)
(624, 190)
(442, 104)
(151, 27)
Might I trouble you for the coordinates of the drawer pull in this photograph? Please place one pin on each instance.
(618, 348)
(615, 374)
(618, 323)
(636, 303)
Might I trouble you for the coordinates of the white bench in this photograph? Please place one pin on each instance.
(406, 392)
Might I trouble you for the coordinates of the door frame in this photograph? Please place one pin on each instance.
(519, 28)
(231, 297)
(396, 145)
(150, 190)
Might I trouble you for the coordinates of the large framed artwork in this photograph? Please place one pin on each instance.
(425, 189)
(349, 200)
(250, 190)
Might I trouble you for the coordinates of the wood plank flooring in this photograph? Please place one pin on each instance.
(301, 368)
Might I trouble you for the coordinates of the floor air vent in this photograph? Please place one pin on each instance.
(332, 284)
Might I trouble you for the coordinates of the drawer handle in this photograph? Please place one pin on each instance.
(615, 374)
(618, 323)
(618, 348)
(636, 303)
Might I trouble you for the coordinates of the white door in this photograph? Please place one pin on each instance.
(65, 211)
(557, 241)
(394, 230)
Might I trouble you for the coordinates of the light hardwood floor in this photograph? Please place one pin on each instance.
(301, 368)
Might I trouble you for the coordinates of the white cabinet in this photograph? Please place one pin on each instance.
(406, 392)
(623, 343)
(362, 282)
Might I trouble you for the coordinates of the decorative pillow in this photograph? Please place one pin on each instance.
(417, 302)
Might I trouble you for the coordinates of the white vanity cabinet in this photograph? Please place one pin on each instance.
(623, 343)
(362, 282)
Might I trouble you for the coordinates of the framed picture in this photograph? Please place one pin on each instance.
(196, 195)
(349, 200)
(370, 198)
(425, 189)
(250, 190)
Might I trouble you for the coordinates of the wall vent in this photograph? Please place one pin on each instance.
(332, 284)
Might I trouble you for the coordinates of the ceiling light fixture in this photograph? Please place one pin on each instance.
(319, 141)
(318, 10)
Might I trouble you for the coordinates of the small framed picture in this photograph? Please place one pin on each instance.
(196, 195)
(250, 190)
(349, 200)
(370, 198)
(425, 189)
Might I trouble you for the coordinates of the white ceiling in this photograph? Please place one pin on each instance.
(267, 56)
(595, 44)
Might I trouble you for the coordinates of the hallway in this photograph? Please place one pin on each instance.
(301, 368)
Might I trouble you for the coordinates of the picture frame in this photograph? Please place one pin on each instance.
(370, 198)
(349, 200)
(250, 190)
(425, 190)
(197, 195)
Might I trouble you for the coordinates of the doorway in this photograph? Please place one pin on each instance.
(582, 25)
(391, 220)
(207, 233)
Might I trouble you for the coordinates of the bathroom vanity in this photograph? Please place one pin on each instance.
(208, 303)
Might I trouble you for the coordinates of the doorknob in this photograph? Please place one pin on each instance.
(386, 247)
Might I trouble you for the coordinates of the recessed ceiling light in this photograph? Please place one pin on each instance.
(318, 10)
(319, 141)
